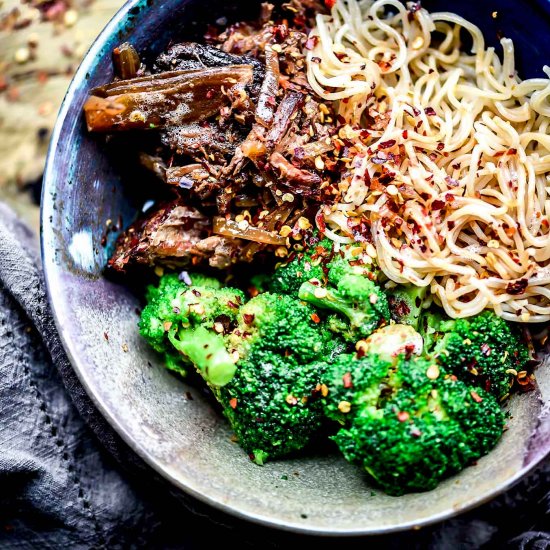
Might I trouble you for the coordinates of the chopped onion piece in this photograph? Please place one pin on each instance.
(230, 228)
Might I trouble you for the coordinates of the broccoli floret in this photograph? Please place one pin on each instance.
(414, 426)
(303, 266)
(179, 317)
(355, 297)
(320, 261)
(351, 383)
(272, 401)
(200, 279)
(406, 304)
(206, 350)
(484, 350)
(281, 324)
(273, 404)
(176, 363)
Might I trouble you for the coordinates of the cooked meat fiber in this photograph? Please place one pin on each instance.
(235, 131)
(195, 138)
(190, 55)
(175, 235)
(168, 236)
(168, 99)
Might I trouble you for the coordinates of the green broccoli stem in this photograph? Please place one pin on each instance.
(406, 304)
(206, 350)
(327, 298)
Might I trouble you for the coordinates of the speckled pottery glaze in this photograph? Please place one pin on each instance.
(184, 439)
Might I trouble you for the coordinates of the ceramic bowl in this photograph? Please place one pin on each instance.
(170, 425)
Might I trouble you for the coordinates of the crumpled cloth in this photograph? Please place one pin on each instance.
(68, 481)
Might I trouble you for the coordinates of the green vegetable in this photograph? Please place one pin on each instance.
(206, 350)
(273, 404)
(181, 318)
(354, 297)
(408, 425)
(484, 350)
(393, 340)
(406, 303)
(307, 265)
(281, 324)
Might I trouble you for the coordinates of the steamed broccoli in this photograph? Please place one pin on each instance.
(406, 303)
(407, 424)
(339, 281)
(393, 340)
(355, 297)
(182, 318)
(484, 350)
(303, 266)
(321, 262)
(273, 404)
(351, 382)
(281, 324)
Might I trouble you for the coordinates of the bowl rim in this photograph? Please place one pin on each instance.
(48, 236)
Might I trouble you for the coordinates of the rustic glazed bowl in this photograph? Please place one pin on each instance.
(185, 439)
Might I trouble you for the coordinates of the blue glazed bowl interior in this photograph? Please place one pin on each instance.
(86, 185)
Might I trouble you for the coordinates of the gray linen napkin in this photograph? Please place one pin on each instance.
(59, 484)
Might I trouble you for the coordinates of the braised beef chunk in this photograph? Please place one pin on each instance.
(238, 135)
(284, 116)
(194, 138)
(173, 98)
(167, 236)
(193, 178)
(175, 235)
(190, 55)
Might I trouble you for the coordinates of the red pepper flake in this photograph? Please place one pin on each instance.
(403, 416)
(280, 32)
(315, 318)
(387, 144)
(311, 42)
(233, 305)
(253, 292)
(196, 292)
(449, 197)
(347, 380)
(440, 146)
(320, 220)
(248, 318)
(405, 134)
(106, 336)
(209, 94)
(512, 151)
(476, 397)
(233, 403)
(438, 204)
(330, 3)
(517, 287)
(430, 111)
